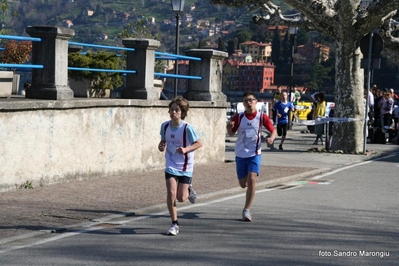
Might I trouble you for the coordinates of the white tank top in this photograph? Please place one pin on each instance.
(174, 140)
(248, 142)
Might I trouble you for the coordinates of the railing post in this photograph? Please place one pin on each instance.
(141, 84)
(51, 82)
(210, 68)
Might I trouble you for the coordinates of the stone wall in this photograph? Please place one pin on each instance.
(47, 142)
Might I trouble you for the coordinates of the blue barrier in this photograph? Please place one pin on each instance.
(165, 56)
(177, 76)
(19, 38)
(21, 66)
(176, 57)
(102, 70)
(101, 46)
(158, 56)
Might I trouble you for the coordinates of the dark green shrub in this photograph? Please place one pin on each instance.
(100, 81)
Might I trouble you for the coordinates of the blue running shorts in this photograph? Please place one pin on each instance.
(246, 165)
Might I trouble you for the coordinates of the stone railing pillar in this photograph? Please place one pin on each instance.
(141, 84)
(210, 68)
(51, 82)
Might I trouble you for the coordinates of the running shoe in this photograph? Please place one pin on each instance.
(192, 196)
(246, 215)
(280, 147)
(173, 230)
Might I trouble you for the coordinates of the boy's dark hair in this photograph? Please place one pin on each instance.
(183, 104)
(248, 93)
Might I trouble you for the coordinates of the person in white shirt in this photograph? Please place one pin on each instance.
(179, 140)
(248, 147)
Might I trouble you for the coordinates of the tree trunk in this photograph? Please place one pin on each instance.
(349, 96)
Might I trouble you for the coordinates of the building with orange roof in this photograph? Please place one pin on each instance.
(282, 31)
(258, 50)
(313, 51)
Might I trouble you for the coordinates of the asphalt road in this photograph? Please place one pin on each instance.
(349, 216)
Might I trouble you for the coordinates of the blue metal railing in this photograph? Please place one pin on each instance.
(101, 46)
(20, 38)
(124, 71)
(164, 75)
(159, 56)
(167, 56)
(21, 66)
(102, 70)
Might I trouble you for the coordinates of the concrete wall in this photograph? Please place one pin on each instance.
(49, 141)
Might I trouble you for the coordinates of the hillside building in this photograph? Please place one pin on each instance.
(312, 51)
(231, 75)
(282, 31)
(240, 56)
(247, 76)
(259, 51)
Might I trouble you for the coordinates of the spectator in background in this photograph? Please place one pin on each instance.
(373, 89)
(314, 98)
(394, 95)
(395, 113)
(377, 107)
(371, 102)
(320, 111)
(295, 97)
(386, 108)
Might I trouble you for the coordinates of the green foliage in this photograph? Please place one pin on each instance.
(4, 5)
(28, 185)
(302, 37)
(101, 60)
(319, 75)
(243, 36)
(140, 30)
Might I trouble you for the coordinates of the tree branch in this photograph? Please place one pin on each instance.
(314, 10)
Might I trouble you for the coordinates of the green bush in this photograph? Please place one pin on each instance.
(100, 81)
